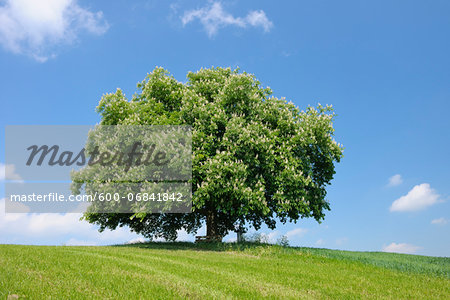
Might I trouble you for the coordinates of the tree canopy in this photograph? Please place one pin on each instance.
(256, 159)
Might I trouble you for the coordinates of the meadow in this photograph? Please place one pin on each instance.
(220, 271)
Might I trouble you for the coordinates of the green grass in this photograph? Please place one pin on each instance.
(185, 270)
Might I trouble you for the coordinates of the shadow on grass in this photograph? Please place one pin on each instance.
(203, 246)
(438, 266)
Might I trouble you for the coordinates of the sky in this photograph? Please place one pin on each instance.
(383, 65)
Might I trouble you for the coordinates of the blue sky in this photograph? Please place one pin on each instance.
(383, 65)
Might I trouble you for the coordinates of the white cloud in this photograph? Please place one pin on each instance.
(8, 172)
(231, 239)
(418, 198)
(401, 248)
(213, 17)
(67, 229)
(259, 18)
(75, 242)
(183, 236)
(320, 242)
(52, 228)
(395, 180)
(270, 237)
(137, 240)
(440, 221)
(17, 207)
(296, 233)
(341, 241)
(37, 28)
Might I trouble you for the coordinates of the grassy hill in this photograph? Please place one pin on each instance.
(185, 270)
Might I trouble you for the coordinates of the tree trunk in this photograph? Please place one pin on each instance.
(239, 233)
(239, 236)
(211, 225)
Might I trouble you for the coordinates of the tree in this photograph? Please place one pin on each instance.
(255, 158)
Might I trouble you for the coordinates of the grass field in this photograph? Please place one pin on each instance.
(185, 270)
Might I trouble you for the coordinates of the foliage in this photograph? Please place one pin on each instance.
(283, 241)
(256, 158)
(256, 237)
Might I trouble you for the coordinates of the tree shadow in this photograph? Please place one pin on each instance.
(202, 246)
